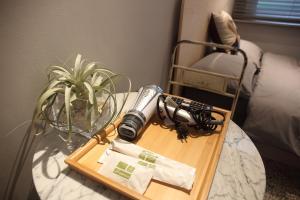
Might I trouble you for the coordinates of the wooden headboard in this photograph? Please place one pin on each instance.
(194, 20)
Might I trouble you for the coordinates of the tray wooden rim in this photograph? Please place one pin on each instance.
(72, 161)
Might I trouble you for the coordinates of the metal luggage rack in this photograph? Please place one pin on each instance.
(207, 77)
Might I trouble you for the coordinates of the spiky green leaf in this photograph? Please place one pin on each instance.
(67, 106)
(51, 68)
(91, 92)
(60, 73)
(45, 96)
(77, 66)
(97, 81)
(88, 70)
(54, 83)
(108, 80)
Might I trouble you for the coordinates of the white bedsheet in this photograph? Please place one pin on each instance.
(274, 107)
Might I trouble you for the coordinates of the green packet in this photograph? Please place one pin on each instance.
(127, 171)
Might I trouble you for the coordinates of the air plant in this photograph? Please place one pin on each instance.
(88, 85)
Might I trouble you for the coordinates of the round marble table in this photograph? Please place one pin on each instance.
(240, 173)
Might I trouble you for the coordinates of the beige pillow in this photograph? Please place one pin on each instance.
(253, 52)
(226, 28)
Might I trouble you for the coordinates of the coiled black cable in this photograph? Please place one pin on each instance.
(201, 115)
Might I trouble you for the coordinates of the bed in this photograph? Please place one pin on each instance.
(268, 108)
(274, 106)
(271, 90)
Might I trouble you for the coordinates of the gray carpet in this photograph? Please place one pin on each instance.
(283, 181)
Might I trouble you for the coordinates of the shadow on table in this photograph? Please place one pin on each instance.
(49, 150)
(49, 156)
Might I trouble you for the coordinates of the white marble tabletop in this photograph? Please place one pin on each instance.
(240, 173)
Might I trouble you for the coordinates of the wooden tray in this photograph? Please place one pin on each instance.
(201, 152)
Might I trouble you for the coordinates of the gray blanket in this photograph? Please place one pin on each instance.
(274, 107)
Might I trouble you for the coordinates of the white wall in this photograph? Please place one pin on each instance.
(277, 39)
(134, 37)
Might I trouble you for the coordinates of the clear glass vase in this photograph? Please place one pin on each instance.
(86, 119)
